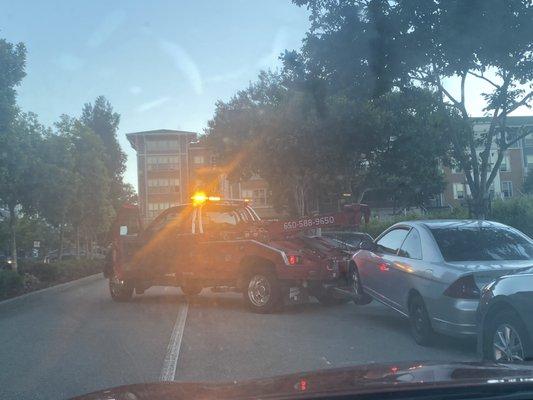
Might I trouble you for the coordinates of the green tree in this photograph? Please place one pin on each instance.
(12, 65)
(12, 71)
(368, 47)
(90, 211)
(406, 168)
(311, 152)
(104, 121)
(21, 165)
(485, 41)
(57, 188)
(271, 131)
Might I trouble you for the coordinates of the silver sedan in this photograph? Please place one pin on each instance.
(433, 271)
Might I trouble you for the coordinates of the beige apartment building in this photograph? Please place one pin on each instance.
(173, 164)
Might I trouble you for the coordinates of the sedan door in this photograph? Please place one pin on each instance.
(376, 274)
(407, 264)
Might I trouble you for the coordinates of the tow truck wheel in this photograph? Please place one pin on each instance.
(120, 290)
(262, 292)
(360, 297)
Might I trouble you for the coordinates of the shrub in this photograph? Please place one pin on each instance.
(375, 226)
(516, 212)
(11, 282)
(43, 272)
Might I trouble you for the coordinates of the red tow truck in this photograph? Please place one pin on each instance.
(224, 245)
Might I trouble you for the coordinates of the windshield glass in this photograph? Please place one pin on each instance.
(482, 244)
(226, 191)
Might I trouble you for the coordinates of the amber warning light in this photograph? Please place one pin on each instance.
(201, 197)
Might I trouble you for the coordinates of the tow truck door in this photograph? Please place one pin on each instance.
(218, 244)
(125, 238)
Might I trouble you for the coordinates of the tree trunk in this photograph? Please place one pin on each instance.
(299, 198)
(479, 205)
(12, 231)
(77, 242)
(86, 245)
(60, 250)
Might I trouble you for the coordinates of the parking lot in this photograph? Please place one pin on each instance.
(74, 339)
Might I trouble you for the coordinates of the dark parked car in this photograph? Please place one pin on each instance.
(504, 318)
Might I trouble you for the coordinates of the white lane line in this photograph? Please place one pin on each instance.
(168, 373)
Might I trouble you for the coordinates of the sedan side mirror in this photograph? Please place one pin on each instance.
(367, 245)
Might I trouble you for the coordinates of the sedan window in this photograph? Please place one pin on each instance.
(482, 243)
(391, 241)
(411, 247)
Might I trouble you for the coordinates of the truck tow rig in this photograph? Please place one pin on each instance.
(224, 245)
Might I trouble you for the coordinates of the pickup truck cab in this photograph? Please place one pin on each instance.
(223, 244)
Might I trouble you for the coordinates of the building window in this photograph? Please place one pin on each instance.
(154, 209)
(529, 160)
(528, 141)
(459, 191)
(198, 159)
(163, 163)
(507, 189)
(163, 185)
(505, 166)
(258, 196)
(162, 145)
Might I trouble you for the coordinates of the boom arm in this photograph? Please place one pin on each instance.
(350, 216)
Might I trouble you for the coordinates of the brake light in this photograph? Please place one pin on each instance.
(294, 260)
(463, 288)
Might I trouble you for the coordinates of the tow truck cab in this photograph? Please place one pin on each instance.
(223, 244)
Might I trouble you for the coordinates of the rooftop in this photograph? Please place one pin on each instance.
(158, 132)
(511, 121)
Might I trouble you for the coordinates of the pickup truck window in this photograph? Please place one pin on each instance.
(219, 219)
(179, 216)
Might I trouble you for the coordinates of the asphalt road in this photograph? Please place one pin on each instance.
(72, 340)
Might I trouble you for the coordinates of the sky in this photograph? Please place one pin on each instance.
(161, 64)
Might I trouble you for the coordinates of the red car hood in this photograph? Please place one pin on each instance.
(373, 378)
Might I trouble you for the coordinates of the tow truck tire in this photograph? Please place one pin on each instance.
(262, 292)
(360, 297)
(191, 289)
(120, 290)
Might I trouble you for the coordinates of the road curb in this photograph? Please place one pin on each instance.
(89, 278)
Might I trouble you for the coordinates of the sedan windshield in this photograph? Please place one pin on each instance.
(482, 244)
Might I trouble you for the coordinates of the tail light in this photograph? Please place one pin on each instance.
(294, 259)
(463, 288)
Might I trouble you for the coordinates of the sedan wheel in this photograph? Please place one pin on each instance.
(507, 345)
(419, 321)
(360, 297)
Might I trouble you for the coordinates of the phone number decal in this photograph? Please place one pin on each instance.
(308, 223)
